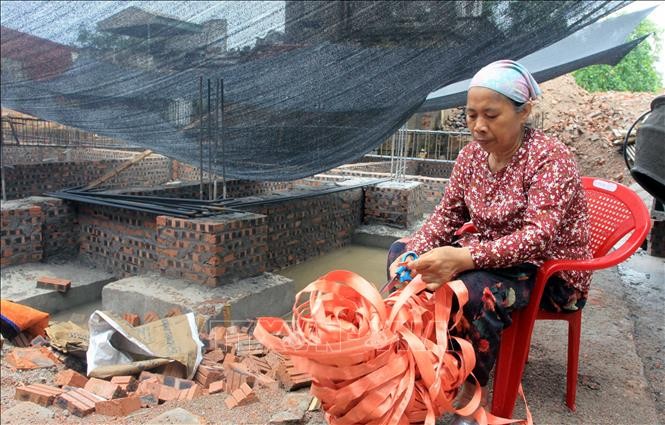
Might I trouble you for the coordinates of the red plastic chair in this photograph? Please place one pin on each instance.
(614, 211)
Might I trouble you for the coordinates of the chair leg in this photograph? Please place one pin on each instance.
(574, 334)
(510, 367)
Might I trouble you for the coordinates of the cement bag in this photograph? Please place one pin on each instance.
(118, 348)
(16, 318)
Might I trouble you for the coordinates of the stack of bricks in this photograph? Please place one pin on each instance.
(394, 203)
(21, 234)
(299, 229)
(212, 250)
(117, 240)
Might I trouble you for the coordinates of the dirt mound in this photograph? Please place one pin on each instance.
(591, 124)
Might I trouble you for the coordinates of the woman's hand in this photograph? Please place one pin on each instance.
(441, 265)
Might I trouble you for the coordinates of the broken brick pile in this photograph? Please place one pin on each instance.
(234, 364)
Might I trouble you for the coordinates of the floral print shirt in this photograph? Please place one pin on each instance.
(532, 210)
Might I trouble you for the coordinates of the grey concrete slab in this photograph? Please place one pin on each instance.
(18, 284)
(264, 295)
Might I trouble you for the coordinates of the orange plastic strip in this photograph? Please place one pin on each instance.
(379, 361)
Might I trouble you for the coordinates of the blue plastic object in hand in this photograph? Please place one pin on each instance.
(403, 272)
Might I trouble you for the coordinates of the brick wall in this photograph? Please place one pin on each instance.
(433, 187)
(435, 168)
(37, 228)
(304, 228)
(21, 234)
(23, 180)
(39, 154)
(119, 241)
(212, 250)
(394, 204)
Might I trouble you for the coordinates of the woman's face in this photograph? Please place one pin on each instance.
(493, 120)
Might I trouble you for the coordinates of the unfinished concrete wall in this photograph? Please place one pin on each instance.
(37, 228)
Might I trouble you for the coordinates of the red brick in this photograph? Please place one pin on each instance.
(206, 374)
(230, 402)
(149, 386)
(173, 369)
(47, 282)
(31, 358)
(132, 319)
(118, 407)
(127, 383)
(148, 400)
(214, 356)
(78, 401)
(70, 378)
(175, 311)
(150, 316)
(216, 387)
(105, 389)
(167, 393)
(244, 395)
(149, 375)
(191, 393)
(43, 395)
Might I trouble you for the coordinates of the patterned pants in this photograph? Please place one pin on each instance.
(493, 295)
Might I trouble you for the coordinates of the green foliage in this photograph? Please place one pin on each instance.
(635, 72)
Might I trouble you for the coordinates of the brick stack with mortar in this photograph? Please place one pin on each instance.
(21, 234)
(212, 250)
(36, 228)
(299, 229)
(117, 240)
(397, 204)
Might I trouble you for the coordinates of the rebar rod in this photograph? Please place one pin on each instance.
(201, 136)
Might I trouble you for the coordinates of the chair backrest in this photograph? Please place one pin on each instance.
(614, 211)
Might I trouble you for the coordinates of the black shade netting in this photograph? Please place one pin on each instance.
(307, 86)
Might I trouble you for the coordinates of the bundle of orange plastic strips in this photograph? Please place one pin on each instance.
(375, 360)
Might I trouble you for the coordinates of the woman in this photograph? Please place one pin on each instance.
(522, 191)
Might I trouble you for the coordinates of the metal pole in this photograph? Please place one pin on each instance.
(214, 155)
(209, 142)
(2, 155)
(221, 121)
(201, 136)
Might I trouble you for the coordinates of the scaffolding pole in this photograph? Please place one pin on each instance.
(201, 136)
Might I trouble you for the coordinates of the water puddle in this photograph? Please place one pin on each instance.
(368, 262)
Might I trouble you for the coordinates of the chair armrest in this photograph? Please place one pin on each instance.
(468, 227)
(612, 259)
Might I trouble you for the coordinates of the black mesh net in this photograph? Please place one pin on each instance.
(260, 90)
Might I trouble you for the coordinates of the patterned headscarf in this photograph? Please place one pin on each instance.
(509, 78)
